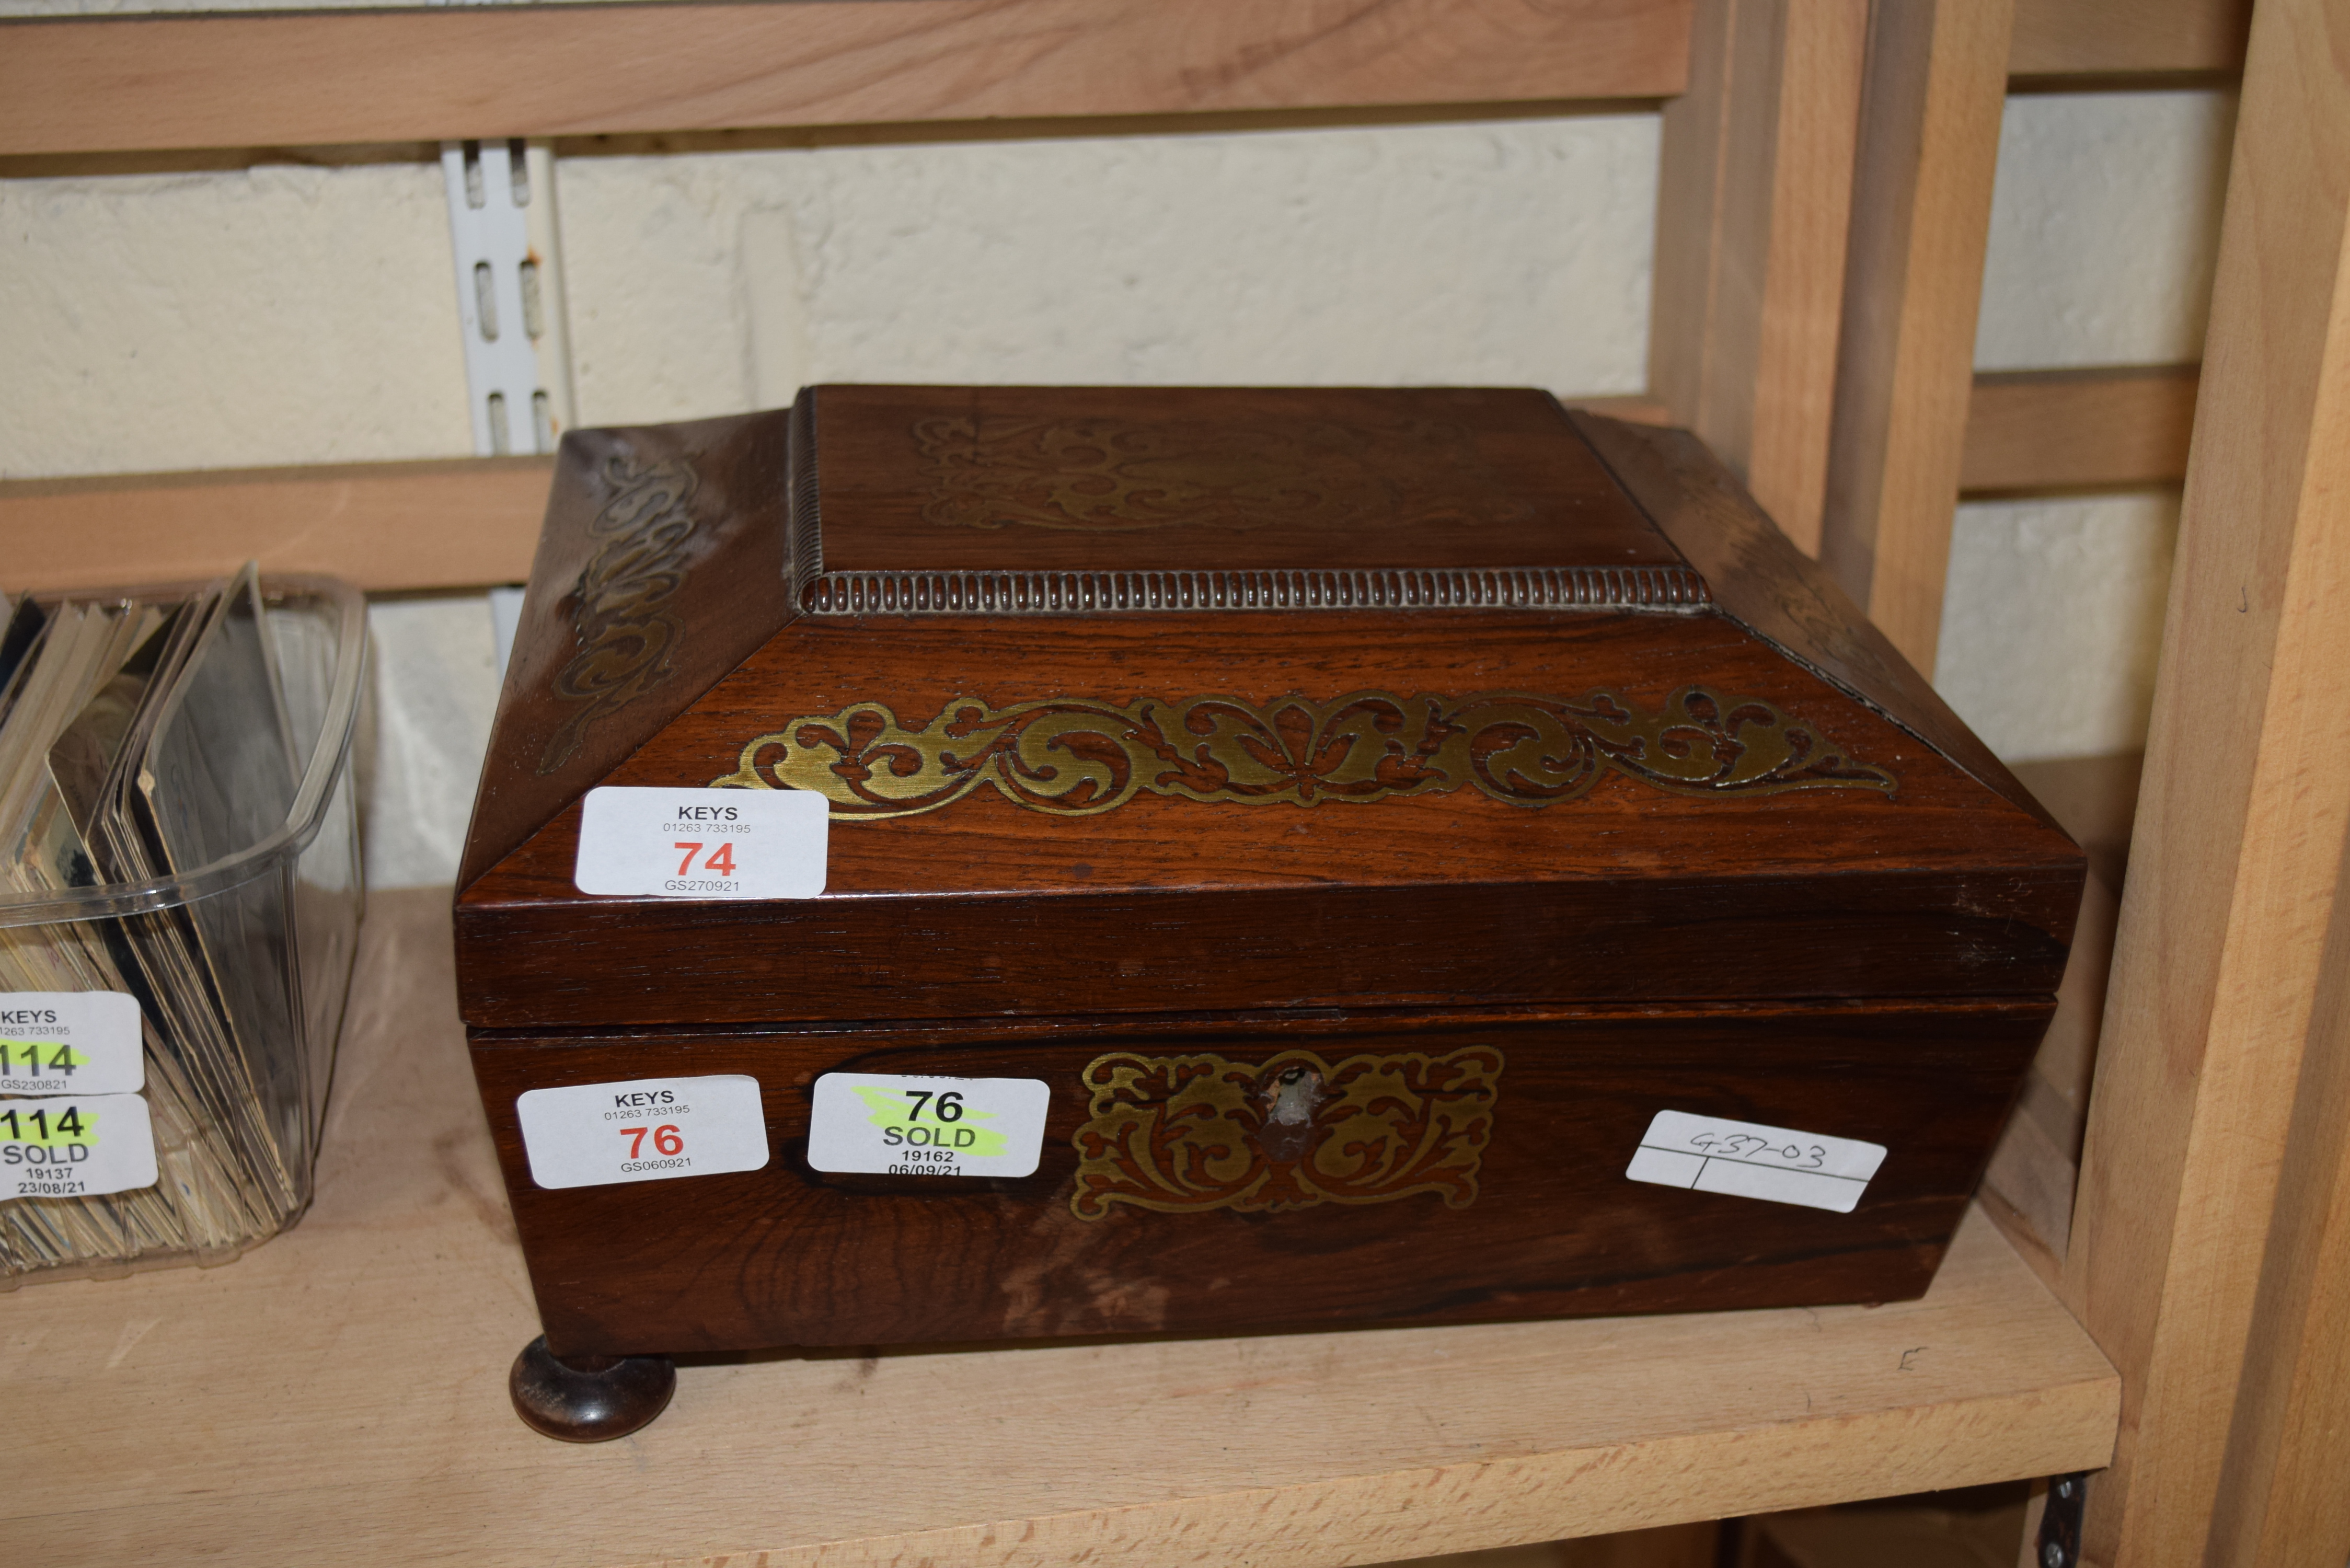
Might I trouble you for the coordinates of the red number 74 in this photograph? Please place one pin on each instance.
(722, 862)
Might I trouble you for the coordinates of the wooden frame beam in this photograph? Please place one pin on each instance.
(1937, 81)
(2226, 997)
(380, 526)
(2128, 37)
(313, 78)
(2033, 431)
(1754, 198)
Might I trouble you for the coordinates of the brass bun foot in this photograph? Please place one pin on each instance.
(592, 1399)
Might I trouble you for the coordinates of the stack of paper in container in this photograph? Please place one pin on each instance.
(178, 907)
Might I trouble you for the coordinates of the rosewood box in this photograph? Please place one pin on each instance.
(1342, 856)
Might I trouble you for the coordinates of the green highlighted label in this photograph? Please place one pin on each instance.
(919, 1119)
(38, 1058)
(46, 1126)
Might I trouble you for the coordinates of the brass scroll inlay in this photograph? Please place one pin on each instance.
(620, 606)
(1076, 756)
(1183, 1134)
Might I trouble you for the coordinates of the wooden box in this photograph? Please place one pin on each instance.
(1363, 812)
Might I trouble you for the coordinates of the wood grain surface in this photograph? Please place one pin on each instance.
(2232, 913)
(462, 522)
(297, 79)
(2033, 432)
(378, 526)
(1218, 479)
(338, 1397)
(1753, 204)
(1761, 582)
(1935, 83)
(1952, 884)
(2281, 1497)
(2128, 37)
(791, 1256)
(2029, 1187)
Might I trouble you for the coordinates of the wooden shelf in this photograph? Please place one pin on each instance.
(292, 79)
(338, 1395)
(262, 79)
(2037, 431)
(380, 526)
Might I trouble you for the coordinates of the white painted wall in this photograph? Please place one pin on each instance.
(1512, 251)
(292, 315)
(2105, 226)
(278, 315)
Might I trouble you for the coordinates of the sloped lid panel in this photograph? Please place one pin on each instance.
(660, 567)
(1046, 808)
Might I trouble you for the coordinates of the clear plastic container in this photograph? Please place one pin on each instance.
(275, 922)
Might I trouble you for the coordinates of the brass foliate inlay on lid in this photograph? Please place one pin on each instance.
(1075, 757)
(1114, 475)
(1183, 1134)
(620, 613)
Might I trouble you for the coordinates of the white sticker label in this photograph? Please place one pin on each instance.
(1778, 1164)
(70, 1042)
(702, 843)
(645, 1129)
(882, 1123)
(76, 1145)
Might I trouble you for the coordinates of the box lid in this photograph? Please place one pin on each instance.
(1150, 700)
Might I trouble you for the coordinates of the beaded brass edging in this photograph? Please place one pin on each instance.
(1078, 756)
(1668, 589)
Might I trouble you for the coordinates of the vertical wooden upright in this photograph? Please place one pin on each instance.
(1755, 195)
(2220, 1077)
(1935, 83)
(2284, 1490)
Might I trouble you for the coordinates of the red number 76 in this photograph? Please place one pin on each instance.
(666, 1138)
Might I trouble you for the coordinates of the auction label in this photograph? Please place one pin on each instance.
(646, 1129)
(883, 1123)
(70, 1042)
(1747, 1159)
(76, 1145)
(702, 843)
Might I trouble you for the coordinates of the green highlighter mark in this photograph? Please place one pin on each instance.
(916, 1115)
(43, 1127)
(39, 1055)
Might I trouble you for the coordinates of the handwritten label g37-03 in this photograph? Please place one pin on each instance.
(1747, 1159)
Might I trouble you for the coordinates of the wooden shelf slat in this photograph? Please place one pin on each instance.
(2214, 1117)
(301, 79)
(380, 526)
(344, 1385)
(2128, 37)
(2040, 430)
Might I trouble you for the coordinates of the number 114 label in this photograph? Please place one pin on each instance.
(76, 1145)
